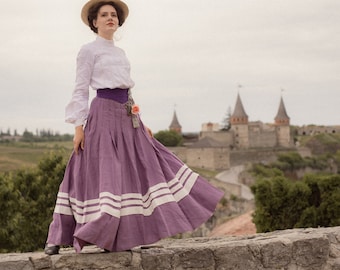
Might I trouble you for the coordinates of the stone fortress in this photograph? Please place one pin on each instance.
(243, 141)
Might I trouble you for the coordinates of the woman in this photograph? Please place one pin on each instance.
(121, 187)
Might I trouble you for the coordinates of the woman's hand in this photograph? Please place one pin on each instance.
(78, 139)
(149, 131)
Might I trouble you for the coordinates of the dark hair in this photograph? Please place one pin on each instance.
(93, 14)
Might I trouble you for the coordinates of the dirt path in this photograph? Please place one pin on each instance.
(241, 225)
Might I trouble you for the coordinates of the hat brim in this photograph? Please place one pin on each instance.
(121, 5)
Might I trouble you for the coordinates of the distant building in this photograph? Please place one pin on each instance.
(282, 126)
(239, 125)
(210, 127)
(311, 130)
(252, 135)
(215, 147)
(218, 149)
(175, 125)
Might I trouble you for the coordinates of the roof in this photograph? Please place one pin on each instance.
(239, 109)
(207, 142)
(281, 113)
(174, 123)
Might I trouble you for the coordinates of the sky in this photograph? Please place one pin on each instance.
(191, 56)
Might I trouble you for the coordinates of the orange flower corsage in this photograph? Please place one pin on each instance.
(135, 109)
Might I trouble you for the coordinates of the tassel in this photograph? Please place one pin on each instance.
(128, 106)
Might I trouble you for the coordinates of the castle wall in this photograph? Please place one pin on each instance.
(283, 136)
(180, 152)
(241, 136)
(264, 149)
(223, 158)
(210, 127)
(224, 137)
(208, 158)
(264, 139)
(313, 130)
(252, 135)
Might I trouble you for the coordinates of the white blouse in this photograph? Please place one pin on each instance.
(100, 64)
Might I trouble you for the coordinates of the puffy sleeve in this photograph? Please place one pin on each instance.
(77, 109)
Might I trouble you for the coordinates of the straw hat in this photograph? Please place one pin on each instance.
(123, 8)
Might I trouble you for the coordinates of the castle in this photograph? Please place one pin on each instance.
(247, 134)
(215, 146)
(242, 141)
(243, 134)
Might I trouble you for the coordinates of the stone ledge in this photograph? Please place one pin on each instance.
(298, 249)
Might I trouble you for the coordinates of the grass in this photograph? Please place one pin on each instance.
(20, 155)
(322, 138)
(208, 174)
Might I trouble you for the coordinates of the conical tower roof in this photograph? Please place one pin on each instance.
(175, 125)
(239, 109)
(282, 116)
(239, 116)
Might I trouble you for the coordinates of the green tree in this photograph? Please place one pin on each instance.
(283, 204)
(337, 160)
(290, 161)
(27, 212)
(169, 138)
(261, 171)
(226, 125)
(273, 200)
(9, 197)
(27, 136)
(329, 209)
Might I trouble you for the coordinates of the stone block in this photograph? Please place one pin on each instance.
(14, 261)
(193, 259)
(157, 259)
(235, 257)
(95, 261)
(311, 252)
(276, 254)
(41, 261)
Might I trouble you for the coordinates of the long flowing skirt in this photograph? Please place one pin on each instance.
(125, 189)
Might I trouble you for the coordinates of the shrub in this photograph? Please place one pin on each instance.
(283, 204)
(27, 199)
(169, 138)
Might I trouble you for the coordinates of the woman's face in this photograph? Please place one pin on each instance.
(107, 20)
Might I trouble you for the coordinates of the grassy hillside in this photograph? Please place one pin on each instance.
(321, 143)
(22, 155)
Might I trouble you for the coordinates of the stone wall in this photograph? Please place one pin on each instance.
(208, 158)
(240, 157)
(224, 137)
(216, 158)
(298, 249)
(313, 130)
(223, 158)
(180, 152)
(263, 139)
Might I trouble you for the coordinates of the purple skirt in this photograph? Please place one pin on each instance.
(126, 189)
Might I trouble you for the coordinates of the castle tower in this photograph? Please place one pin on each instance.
(282, 126)
(239, 124)
(175, 125)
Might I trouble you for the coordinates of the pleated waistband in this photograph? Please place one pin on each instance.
(117, 94)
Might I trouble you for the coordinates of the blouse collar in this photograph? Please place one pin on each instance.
(104, 41)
